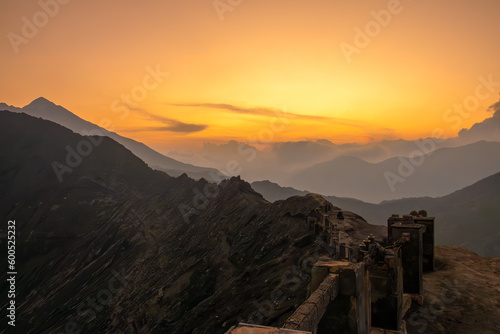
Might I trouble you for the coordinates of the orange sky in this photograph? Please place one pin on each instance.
(228, 78)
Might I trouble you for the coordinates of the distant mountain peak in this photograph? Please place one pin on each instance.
(41, 101)
(235, 185)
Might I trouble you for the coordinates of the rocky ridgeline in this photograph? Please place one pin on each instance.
(117, 247)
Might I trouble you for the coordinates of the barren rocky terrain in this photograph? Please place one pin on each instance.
(462, 295)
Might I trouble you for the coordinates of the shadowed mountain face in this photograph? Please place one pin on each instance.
(45, 109)
(437, 174)
(117, 247)
(468, 217)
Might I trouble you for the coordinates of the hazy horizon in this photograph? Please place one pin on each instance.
(192, 73)
(372, 172)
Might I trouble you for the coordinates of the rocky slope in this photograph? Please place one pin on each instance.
(115, 247)
(467, 217)
(462, 295)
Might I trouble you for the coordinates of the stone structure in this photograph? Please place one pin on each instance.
(411, 253)
(350, 311)
(309, 314)
(364, 290)
(243, 328)
(395, 218)
(428, 240)
(428, 236)
(386, 280)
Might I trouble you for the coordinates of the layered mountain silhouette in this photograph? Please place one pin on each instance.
(468, 217)
(117, 247)
(45, 109)
(370, 172)
(436, 174)
(276, 161)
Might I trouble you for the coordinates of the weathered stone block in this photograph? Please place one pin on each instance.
(428, 242)
(386, 293)
(243, 328)
(350, 311)
(411, 255)
(310, 313)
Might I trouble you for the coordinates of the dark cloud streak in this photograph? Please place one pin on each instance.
(249, 111)
(369, 128)
(171, 125)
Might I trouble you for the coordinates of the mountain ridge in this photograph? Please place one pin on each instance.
(114, 216)
(467, 217)
(436, 174)
(43, 108)
(108, 250)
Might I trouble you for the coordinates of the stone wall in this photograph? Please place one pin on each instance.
(366, 293)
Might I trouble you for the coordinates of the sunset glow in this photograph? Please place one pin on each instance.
(228, 78)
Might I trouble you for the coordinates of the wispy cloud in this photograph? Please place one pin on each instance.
(367, 127)
(249, 111)
(170, 124)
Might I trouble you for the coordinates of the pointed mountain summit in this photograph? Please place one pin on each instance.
(41, 102)
(45, 109)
